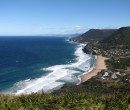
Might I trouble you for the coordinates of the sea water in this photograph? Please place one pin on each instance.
(31, 63)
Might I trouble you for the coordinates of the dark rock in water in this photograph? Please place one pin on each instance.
(94, 53)
(88, 51)
(85, 50)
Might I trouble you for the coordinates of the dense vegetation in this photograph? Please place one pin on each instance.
(119, 63)
(94, 34)
(119, 37)
(92, 95)
(65, 102)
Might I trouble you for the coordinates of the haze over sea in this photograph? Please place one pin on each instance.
(31, 64)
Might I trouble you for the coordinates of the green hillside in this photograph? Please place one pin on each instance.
(120, 37)
(93, 35)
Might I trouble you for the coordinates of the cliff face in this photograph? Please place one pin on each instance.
(93, 35)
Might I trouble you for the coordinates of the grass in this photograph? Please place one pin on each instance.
(65, 102)
(89, 96)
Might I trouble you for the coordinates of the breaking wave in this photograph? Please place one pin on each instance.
(57, 75)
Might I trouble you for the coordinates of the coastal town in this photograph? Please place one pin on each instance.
(115, 58)
(97, 49)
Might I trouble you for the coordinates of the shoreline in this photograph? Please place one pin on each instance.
(99, 65)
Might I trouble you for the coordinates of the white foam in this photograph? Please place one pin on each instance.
(59, 74)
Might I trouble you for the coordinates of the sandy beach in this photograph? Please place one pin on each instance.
(100, 65)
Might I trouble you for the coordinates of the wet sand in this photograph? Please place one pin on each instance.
(100, 65)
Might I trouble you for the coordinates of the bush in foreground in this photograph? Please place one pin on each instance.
(65, 101)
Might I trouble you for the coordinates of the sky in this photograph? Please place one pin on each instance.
(41, 17)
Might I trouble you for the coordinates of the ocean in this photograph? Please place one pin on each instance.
(32, 63)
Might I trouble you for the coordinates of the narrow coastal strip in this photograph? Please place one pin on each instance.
(99, 65)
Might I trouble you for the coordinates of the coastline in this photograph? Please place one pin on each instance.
(99, 65)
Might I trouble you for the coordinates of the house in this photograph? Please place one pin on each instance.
(106, 74)
(114, 76)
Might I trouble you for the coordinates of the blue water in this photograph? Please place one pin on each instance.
(23, 58)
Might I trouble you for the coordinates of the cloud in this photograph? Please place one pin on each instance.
(77, 27)
(66, 30)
